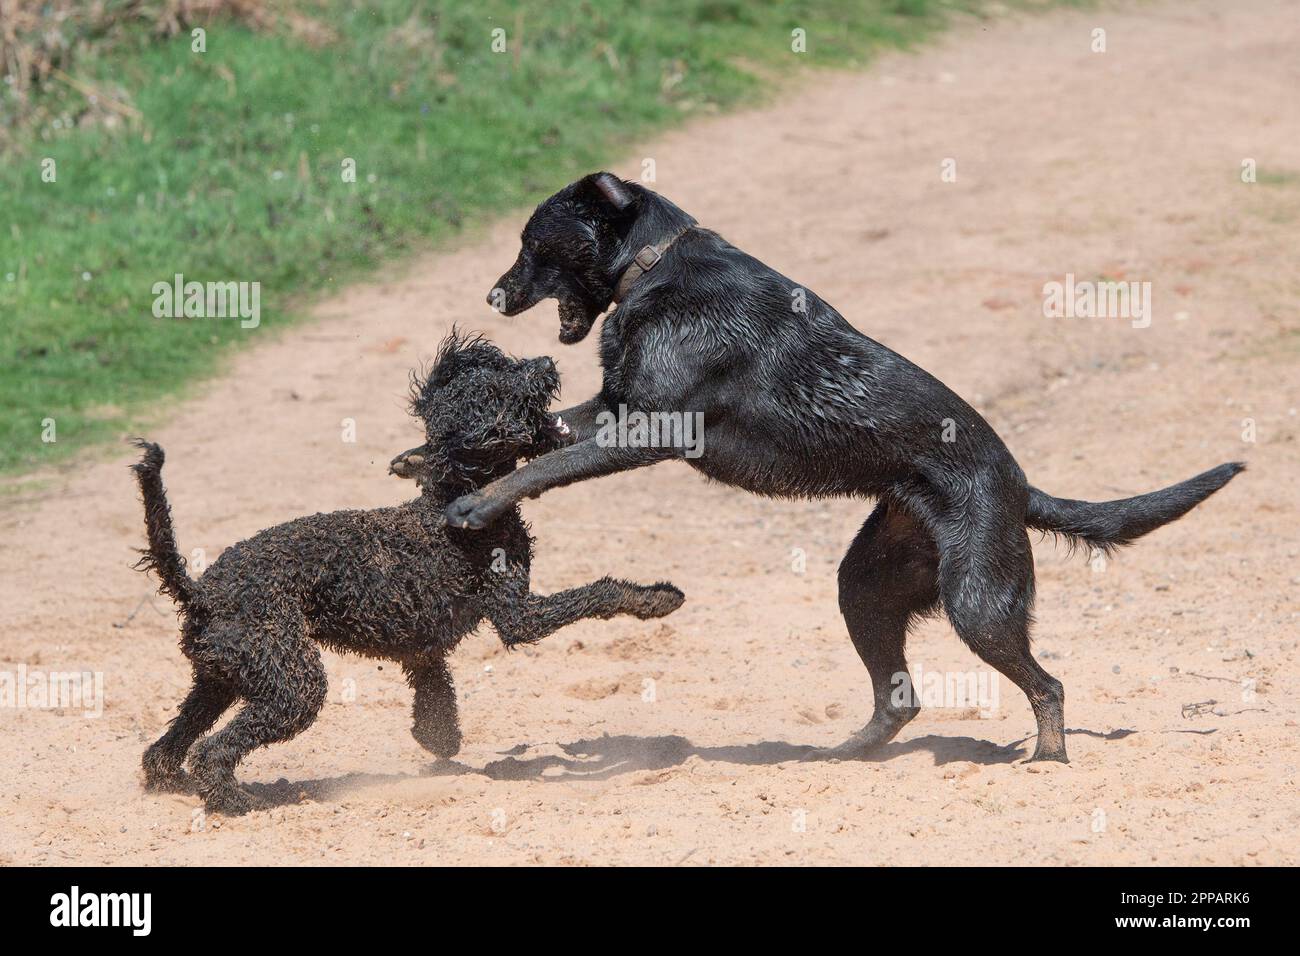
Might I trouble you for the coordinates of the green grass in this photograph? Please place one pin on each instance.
(234, 170)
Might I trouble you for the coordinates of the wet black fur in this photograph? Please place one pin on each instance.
(801, 404)
(392, 583)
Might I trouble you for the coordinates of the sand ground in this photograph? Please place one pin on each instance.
(677, 741)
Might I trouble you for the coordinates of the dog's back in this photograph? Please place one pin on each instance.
(801, 403)
(379, 582)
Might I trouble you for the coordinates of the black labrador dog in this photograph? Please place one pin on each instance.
(798, 403)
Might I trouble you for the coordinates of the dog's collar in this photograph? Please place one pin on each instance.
(646, 259)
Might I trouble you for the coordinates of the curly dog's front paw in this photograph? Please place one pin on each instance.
(442, 739)
(656, 600)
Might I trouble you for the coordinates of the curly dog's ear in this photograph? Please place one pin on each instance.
(427, 380)
(457, 353)
(462, 401)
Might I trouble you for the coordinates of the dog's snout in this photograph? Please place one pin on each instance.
(515, 291)
(505, 297)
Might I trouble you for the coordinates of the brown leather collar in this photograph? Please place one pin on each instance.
(646, 259)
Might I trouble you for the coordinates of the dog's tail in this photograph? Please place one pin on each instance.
(1107, 525)
(162, 556)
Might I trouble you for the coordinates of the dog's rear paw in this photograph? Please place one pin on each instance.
(163, 773)
(228, 801)
(172, 781)
(657, 600)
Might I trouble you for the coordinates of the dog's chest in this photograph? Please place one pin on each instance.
(611, 354)
(622, 359)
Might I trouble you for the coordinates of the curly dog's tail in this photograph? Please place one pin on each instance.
(161, 557)
(1110, 524)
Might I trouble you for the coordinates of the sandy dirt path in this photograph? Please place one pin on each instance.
(1123, 165)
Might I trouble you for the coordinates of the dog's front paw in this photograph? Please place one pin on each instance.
(657, 600)
(473, 511)
(440, 737)
(410, 463)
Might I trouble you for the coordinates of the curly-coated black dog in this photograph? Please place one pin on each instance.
(393, 583)
(798, 403)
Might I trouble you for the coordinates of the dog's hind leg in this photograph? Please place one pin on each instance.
(986, 584)
(282, 681)
(436, 720)
(164, 761)
(887, 579)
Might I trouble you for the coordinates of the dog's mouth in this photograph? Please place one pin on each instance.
(555, 433)
(576, 320)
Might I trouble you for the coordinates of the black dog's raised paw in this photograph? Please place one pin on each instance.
(473, 512)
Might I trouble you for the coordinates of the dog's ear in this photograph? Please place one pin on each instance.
(607, 188)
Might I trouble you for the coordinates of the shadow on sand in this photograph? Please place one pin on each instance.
(601, 758)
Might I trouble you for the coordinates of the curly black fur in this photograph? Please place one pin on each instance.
(162, 556)
(799, 403)
(393, 583)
